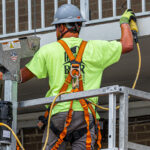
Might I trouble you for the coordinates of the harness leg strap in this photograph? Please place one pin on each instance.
(86, 117)
(64, 132)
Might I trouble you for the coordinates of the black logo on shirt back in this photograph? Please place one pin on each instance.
(67, 63)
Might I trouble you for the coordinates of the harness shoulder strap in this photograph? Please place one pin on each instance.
(71, 57)
(81, 51)
(69, 53)
(67, 49)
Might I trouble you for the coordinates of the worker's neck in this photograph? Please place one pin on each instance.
(70, 34)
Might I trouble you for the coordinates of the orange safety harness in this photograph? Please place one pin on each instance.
(17, 146)
(77, 85)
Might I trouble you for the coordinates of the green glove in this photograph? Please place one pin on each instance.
(127, 16)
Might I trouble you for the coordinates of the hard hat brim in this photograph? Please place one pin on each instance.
(68, 21)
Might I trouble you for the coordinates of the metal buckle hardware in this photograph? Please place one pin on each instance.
(75, 77)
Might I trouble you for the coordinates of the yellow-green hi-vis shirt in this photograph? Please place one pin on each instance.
(52, 61)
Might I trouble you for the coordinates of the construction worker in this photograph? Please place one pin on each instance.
(53, 61)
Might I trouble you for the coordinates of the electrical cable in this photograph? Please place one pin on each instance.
(99, 106)
(5, 125)
(49, 118)
(139, 65)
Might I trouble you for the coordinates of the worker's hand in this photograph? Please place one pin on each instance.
(127, 16)
(1, 76)
(40, 124)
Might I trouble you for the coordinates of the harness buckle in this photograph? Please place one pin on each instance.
(75, 72)
(75, 83)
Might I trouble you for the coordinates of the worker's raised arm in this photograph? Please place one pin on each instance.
(25, 75)
(126, 34)
(126, 38)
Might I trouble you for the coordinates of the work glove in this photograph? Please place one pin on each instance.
(42, 122)
(127, 16)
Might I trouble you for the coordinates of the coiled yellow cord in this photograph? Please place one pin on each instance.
(5, 125)
(49, 118)
(139, 65)
(101, 107)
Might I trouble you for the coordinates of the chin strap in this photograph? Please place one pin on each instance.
(62, 34)
(70, 28)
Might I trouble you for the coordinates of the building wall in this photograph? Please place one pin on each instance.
(139, 132)
(49, 11)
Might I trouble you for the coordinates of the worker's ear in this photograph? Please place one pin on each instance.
(62, 28)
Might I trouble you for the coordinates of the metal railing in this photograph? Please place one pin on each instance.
(84, 7)
(123, 93)
(112, 91)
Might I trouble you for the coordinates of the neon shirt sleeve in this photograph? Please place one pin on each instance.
(38, 65)
(110, 52)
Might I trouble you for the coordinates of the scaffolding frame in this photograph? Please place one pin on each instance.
(112, 92)
(10, 57)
